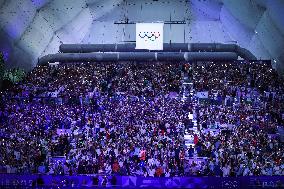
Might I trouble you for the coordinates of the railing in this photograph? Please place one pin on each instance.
(86, 181)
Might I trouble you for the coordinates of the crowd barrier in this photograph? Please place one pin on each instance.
(89, 181)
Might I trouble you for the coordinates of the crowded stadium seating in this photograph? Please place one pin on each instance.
(131, 119)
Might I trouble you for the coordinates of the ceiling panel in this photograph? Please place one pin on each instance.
(37, 27)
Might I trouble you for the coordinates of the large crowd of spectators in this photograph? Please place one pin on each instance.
(130, 119)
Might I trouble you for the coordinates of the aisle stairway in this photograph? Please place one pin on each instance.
(187, 93)
(187, 87)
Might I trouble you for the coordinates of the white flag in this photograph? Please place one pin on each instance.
(149, 36)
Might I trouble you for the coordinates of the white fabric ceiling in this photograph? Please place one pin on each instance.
(30, 29)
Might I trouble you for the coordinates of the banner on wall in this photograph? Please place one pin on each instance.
(79, 181)
(203, 94)
(149, 36)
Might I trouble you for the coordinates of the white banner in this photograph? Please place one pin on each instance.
(149, 36)
(202, 94)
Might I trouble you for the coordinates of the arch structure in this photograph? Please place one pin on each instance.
(33, 29)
